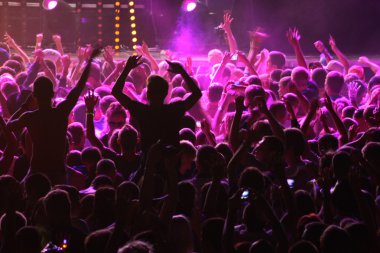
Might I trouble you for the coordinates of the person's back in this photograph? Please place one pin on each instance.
(156, 120)
(47, 126)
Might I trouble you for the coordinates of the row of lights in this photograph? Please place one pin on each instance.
(132, 18)
(99, 14)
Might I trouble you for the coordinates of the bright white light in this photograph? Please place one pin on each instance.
(52, 5)
(191, 6)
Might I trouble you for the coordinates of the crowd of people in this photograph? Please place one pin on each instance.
(142, 155)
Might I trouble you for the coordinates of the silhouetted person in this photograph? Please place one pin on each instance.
(47, 126)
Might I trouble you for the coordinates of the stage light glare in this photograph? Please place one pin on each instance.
(133, 25)
(117, 33)
(117, 47)
(134, 40)
(189, 5)
(133, 32)
(133, 18)
(117, 40)
(132, 11)
(49, 4)
(131, 3)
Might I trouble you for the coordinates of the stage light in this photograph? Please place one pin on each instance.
(117, 40)
(134, 40)
(131, 3)
(189, 5)
(133, 25)
(132, 11)
(133, 18)
(49, 4)
(133, 32)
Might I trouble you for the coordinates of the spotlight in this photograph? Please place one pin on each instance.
(49, 4)
(189, 5)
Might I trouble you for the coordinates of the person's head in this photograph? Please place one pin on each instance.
(9, 88)
(128, 191)
(128, 138)
(371, 153)
(254, 80)
(373, 82)
(215, 56)
(178, 92)
(90, 157)
(104, 206)
(180, 236)
(261, 246)
(204, 159)
(326, 143)
(96, 242)
(157, 89)
(335, 65)
(76, 130)
(211, 235)
(186, 134)
(116, 117)
(335, 240)
(295, 143)
(278, 109)
(301, 77)
(186, 197)
(253, 179)
(276, 60)
(13, 64)
(188, 152)
(358, 70)
(10, 223)
(43, 90)
(188, 121)
(319, 77)
(136, 246)
(334, 83)
(303, 247)
(36, 186)
(57, 208)
(268, 148)
(10, 194)
(283, 86)
(251, 93)
(214, 93)
(293, 100)
(4, 53)
(28, 240)
(361, 237)
(105, 103)
(106, 167)
(304, 203)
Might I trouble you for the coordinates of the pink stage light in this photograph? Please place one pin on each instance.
(189, 5)
(49, 4)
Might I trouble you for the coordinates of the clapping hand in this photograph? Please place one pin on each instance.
(133, 62)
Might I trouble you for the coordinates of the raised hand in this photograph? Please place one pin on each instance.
(91, 100)
(189, 65)
(56, 38)
(319, 46)
(9, 40)
(133, 62)
(227, 20)
(293, 36)
(39, 55)
(328, 103)
(353, 90)
(175, 67)
(258, 35)
(205, 126)
(363, 60)
(332, 42)
(39, 37)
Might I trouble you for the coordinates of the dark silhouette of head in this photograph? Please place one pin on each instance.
(43, 89)
(157, 89)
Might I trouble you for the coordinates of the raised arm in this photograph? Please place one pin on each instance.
(74, 94)
(341, 57)
(117, 90)
(8, 154)
(226, 25)
(144, 50)
(234, 130)
(195, 92)
(12, 44)
(58, 43)
(294, 40)
(337, 121)
(322, 50)
(219, 72)
(115, 73)
(277, 129)
(367, 62)
(91, 100)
